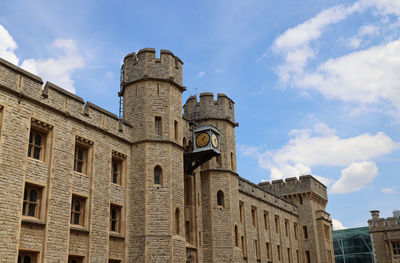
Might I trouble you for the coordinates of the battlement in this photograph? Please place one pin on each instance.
(145, 65)
(28, 86)
(208, 108)
(292, 185)
(383, 224)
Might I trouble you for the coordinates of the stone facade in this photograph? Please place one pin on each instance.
(79, 184)
(385, 237)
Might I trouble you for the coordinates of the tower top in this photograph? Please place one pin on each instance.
(145, 66)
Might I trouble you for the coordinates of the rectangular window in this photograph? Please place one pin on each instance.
(157, 125)
(32, 200)
(295, 230)
(78, 210)
(308, 257)
(396, 247)
(277, 225)
(266, 220)
(297, 256)
(241, 211)
(289, 252)
(268, 248)
(257, 251)
(115, 218)
(254, 216)
(116, 171)
(244, 247)
(76, 259)
(80, 159)
(176, 130)
(327, 231)
(37, 144)
(305, 232)
(287, 227)
(27, 257)
(232, 162)
(278, 247)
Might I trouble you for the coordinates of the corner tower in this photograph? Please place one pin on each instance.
(152, 98)
(217, 177)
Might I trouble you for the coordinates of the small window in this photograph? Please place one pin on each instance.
(287, 227)
(27, 257)
(244, 247)
(278, 247)
(176, 130)
(298, 256)
(266, 220)
(32, 200)
(232, 162)
(295, 230)
(75, 259)
(236, 236)
(305, 232)
(241, 211)
(158, 89)
(80, 160)
(277, 225)
(157, 175)
(37, 144)
(268, 248)
(300, 199)
(78, 210)
(254, 216)
(289, 252)
(308, 257)
(177, 219)
(327, 231)
(220, 198)
(157, 125)
(115, 218)
(396, 247)
(257, 251)
(116, 171)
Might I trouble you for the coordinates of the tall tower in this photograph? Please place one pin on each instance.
(218, 178)
(152, 98)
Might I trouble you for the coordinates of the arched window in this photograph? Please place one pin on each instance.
(177, 216)
(157, 175)
(236, 236)
(220, 198)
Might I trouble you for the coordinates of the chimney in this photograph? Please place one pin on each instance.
(375, 214)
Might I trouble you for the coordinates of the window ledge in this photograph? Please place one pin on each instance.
(33, 220)
(82, 174)
(78, 228)
(117, 235)
(36, 160)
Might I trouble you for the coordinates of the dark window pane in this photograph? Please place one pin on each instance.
(113, 213)
(79, 167)
(32, 196)
(25, 194)
(29, 150)
(76, 219)
(27, 259)
(23, 208)
(31, 211)
(38, 140)
(19, 259)
(77, 205)
(115, 167)
(113, 225)
(31, 137)
(80, 154)
(36, 153)
(115, 177)
(74, 261)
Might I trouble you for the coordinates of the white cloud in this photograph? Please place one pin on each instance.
(59, 68)
(354, 42)
(7, 46)
(368, 30)
(355, 177)
(337, 225)
(201, 74)
(389, 190)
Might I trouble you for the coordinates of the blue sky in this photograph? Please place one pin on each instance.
(316, 82)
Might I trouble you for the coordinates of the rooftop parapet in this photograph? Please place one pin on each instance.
(145, 65)
(208, 108)
(378, 224)
(292, 185)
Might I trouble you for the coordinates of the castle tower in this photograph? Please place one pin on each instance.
(152, 98)
(217, 178)
(311, 198)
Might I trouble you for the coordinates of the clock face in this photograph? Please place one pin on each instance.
(202, 139)
(214, 140)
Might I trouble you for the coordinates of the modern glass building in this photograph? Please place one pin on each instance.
(352, 245)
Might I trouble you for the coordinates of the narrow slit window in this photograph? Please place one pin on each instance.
(115, 218)
(37, 141)
(157, 175)
(77, 210)
(157, 125)
(220, 198)
(177, 218)
(32, 198)
(176, 129)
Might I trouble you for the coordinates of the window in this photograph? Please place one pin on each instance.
(244, 247)
(115, 218)
(232, 162)
(75, 259)
(236, 236)
(268, 248)
(241, 211)
(287, 227)
(308, 257)
(32, 200)
(327, 230)
(116, 171)
(27, 257)
(295, 230)
(277, 228)
(257, 251)
(266, 220)
(220, 198)
(396, 247)
(78, 210)
(157, 175)
(80, 160)
(176, 129)
(300, 199)
(329, 255)
(114, 261)
(278, 247)
(298, 256)
(177, 218)
(254, 216)
(305, 232)
(37, 143)
(289, 252)
(157, 125)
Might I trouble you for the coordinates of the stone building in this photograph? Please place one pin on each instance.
(385, 237)
(80, 184)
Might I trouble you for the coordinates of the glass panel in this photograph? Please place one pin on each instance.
(77, 205)
(156, 176)
(36, 153)
(115, 167)
(79, 166)
(80, 154)
(19, 259)
(76, 219)
(38, 139)
(25, 194)
(31, 137)
(113, 225)
(27, 259)
(23, 208)
(115, 177)
(29, 150)
(113, 213)
(32, 196)
(31, 211)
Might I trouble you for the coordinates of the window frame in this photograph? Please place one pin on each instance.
(395, 247)
(119, 159)
(117, 219)
(158, 125)
(43, 130)
(220, 198)
(158, 169)
(24, 253)
(82, 211)
(28, 188)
